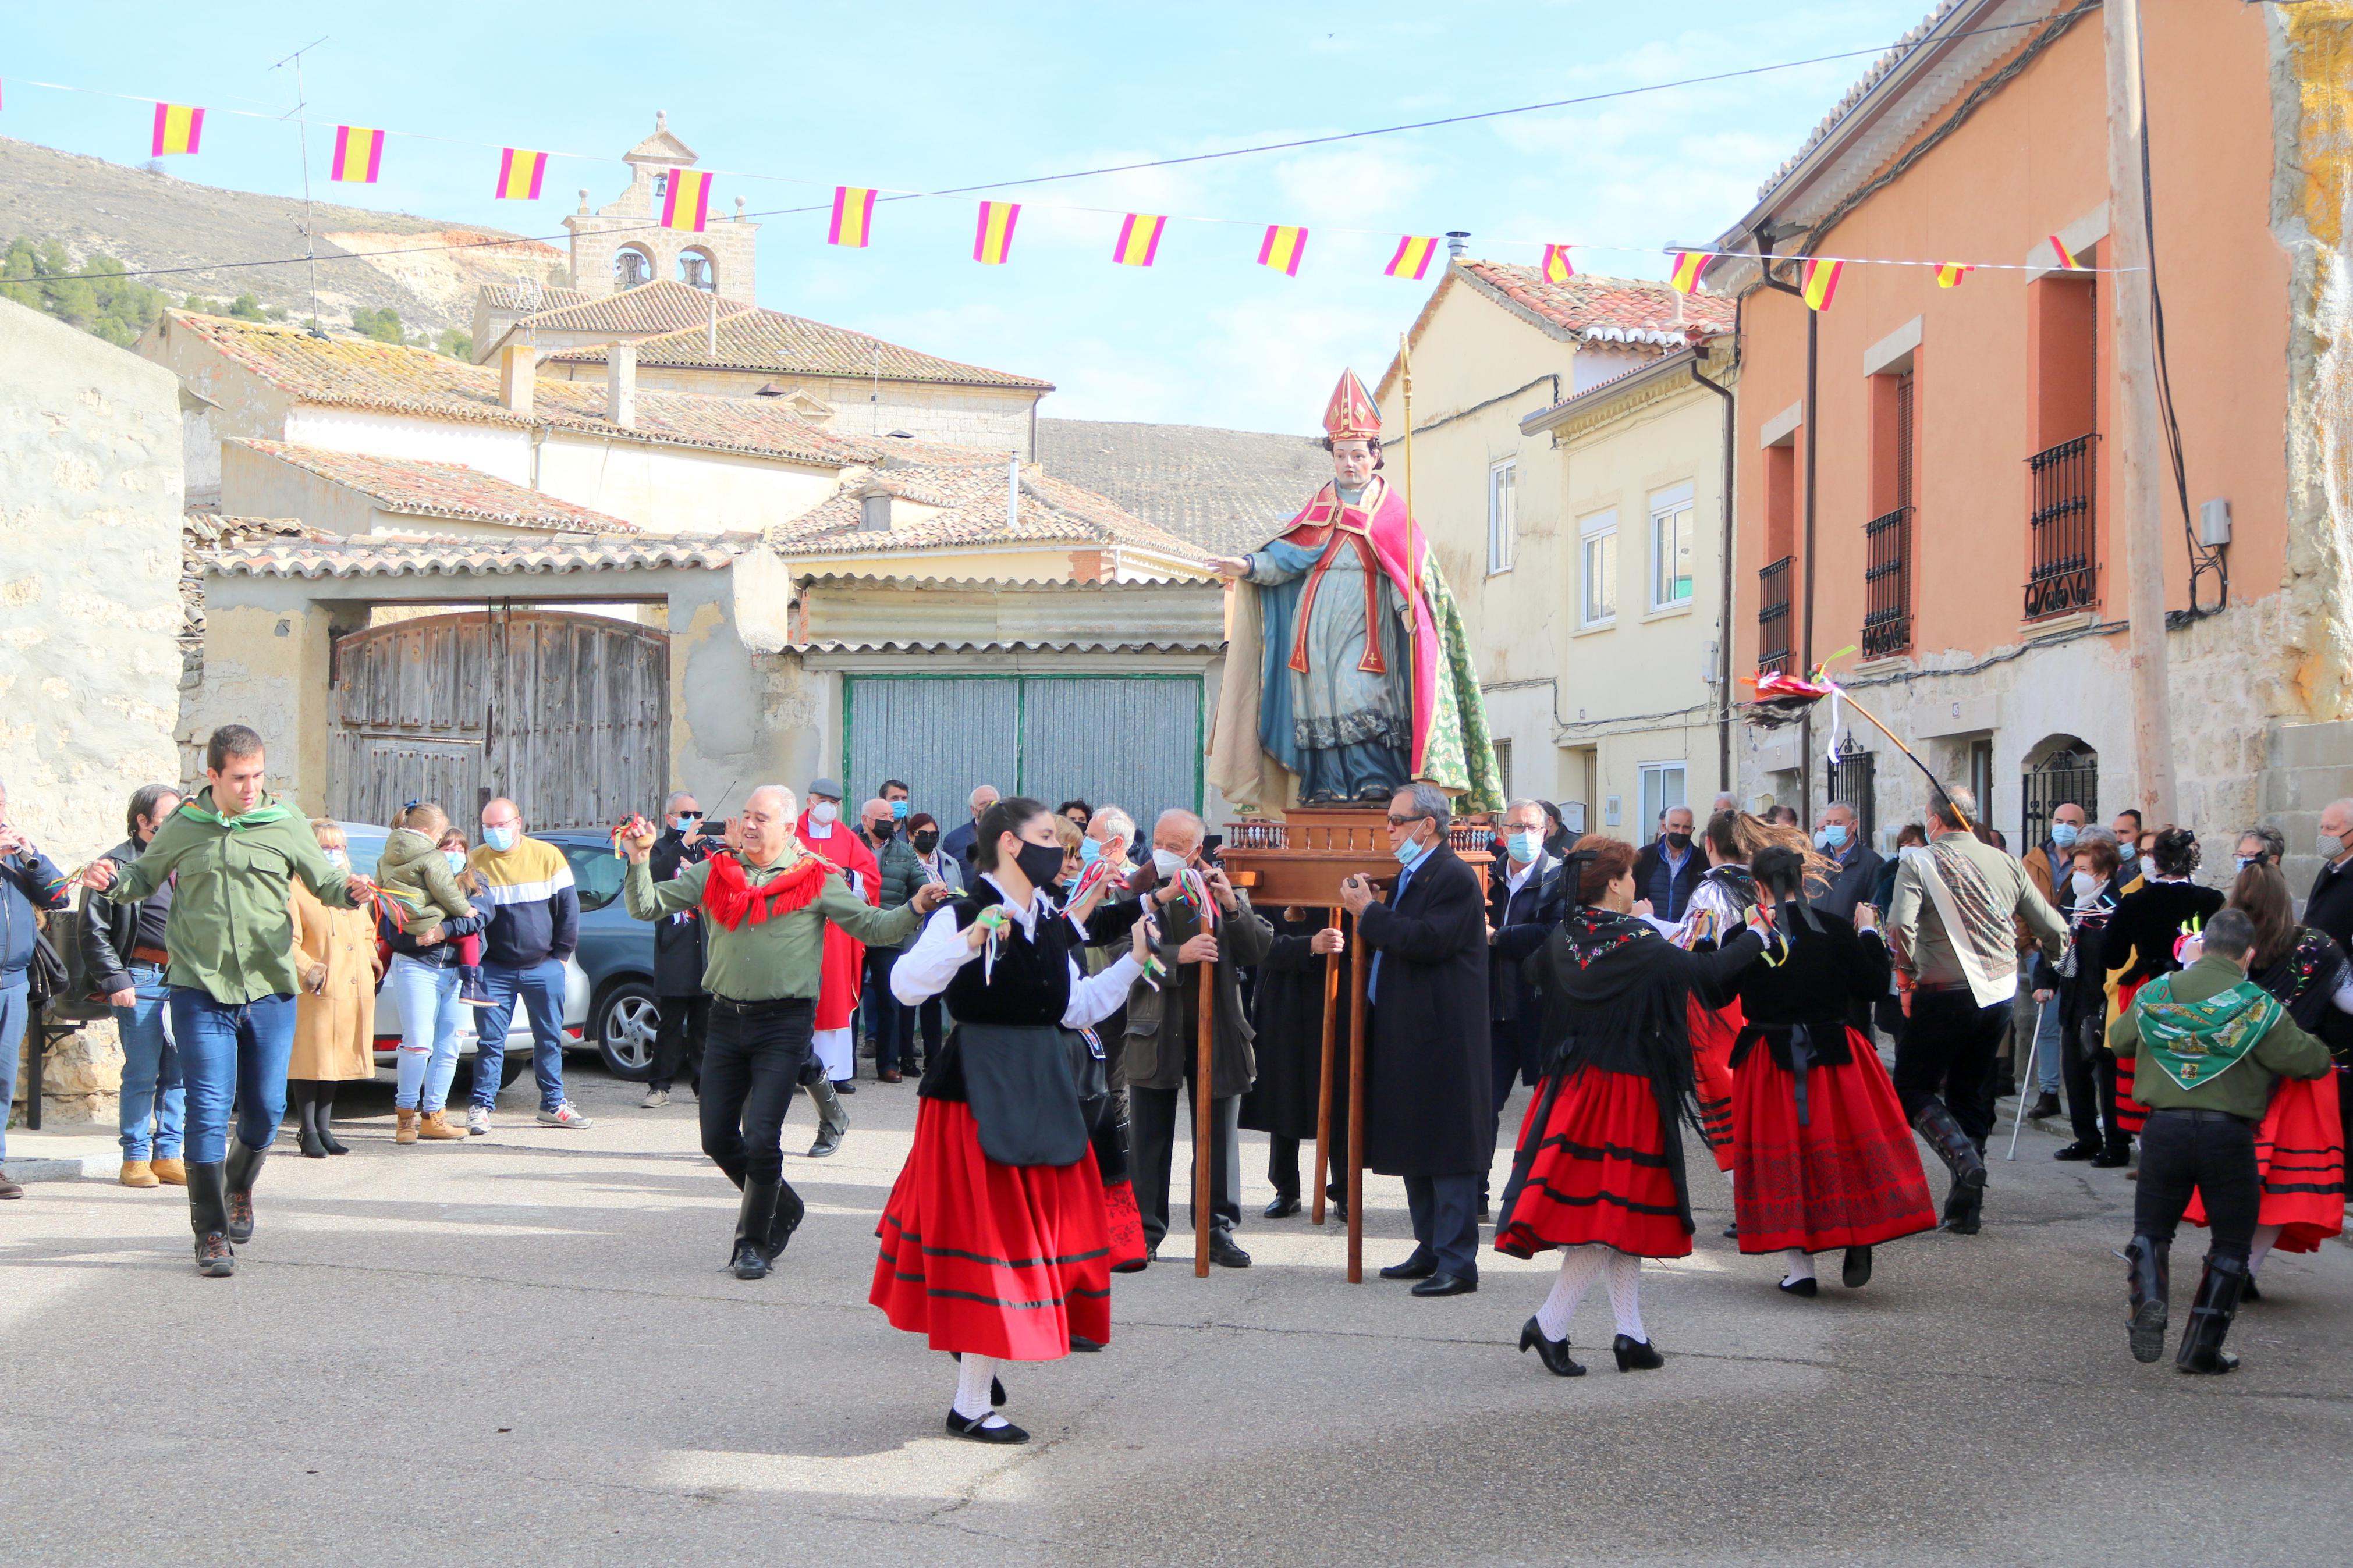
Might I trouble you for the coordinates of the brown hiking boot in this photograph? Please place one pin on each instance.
(139, 1174)
(405, 1128)
(171, 1172)
(435, 1124)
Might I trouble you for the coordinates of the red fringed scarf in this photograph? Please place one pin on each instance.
(730, 899)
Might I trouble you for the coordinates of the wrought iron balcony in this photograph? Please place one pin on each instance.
(2062, 572)
(1773, 616)
(1887, 583)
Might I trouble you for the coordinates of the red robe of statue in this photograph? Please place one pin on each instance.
(845, 959)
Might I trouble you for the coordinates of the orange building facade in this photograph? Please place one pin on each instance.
(1963, 570)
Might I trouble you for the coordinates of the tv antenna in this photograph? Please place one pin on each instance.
(302, 125)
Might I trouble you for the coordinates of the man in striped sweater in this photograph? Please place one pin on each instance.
(535, 925)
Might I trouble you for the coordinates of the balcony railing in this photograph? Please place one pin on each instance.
(2063, 573)
(1773, 616)
(1887, 583)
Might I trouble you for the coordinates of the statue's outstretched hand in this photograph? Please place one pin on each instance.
(1229, 566)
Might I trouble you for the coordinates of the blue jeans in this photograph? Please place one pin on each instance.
(16, 1008)
(429, 1032)
(2046, 1045)
(541, 987)
(232, 1054)
(154, 1103)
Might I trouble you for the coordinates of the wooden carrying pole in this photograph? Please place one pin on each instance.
(1357, 967)
(1324, 1087)
(1203, 1102)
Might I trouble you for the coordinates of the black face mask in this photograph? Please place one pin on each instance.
(1679, 841)
(882, 831)
(926, 840)
(1041, 863)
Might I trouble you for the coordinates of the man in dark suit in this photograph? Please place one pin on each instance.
(1428, 1110)
(1839, 836)
(1524, 899)
(684, 1007)
(1668, 869)
(2330, 907)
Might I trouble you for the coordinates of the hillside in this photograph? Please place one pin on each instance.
(92, 206)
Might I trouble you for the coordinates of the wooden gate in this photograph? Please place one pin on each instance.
(569, 714)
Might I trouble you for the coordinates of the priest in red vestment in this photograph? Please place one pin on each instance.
(824, 834)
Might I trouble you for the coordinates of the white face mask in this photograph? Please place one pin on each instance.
(338, 860)
(1169, 863)
(823, 813)
(2085, 884)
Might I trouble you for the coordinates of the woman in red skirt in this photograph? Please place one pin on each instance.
(995, 1242)
(1825, 1156)
(1599, 1169)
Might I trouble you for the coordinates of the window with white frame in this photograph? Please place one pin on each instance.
(1671, 548)
(1662, 790)
(1597, 571)
(1503, 515)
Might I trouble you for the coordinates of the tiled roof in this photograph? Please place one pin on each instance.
(528, 296)
(770, 341)
(429, 556)
(202, 533)
(359, 373)
(664, 307)
(1595, 309)
(1871, 77)
(441, 490)
(972, 502)
(1225, 491)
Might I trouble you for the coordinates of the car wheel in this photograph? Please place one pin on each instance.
(628, 1020)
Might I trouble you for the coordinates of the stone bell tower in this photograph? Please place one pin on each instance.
(623, 245)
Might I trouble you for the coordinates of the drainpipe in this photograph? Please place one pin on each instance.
(1812, 422)
(1723, 657)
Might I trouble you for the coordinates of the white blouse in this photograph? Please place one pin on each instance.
(924, 971)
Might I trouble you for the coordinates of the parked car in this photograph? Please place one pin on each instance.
(620, 1015)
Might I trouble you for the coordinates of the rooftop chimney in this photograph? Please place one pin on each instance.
(873, 507)
(1458, 244)
(518, 368)
(621, 383)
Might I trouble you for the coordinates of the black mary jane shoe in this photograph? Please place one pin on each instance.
(1856, 1273)
(1636, 1355)
(961, 1426)
(1553, 1353)
(1806, 1287)
(1283, 1207)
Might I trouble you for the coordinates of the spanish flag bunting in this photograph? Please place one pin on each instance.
(1556, 267)
(1689, 264)
(178, 128)
(1139, 239)
(1412, 257)
(359, 155)
(1819, 283)
(992, 240)
(2067, 261)
(687, 204)
(1951, 274)
(1282, 249)
(853, 217)
(519, 175)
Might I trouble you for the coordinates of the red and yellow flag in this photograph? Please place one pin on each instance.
(1819, 282)
(687, 204)
(1412, 257)
(992, 240)
(1556, 267)
(1139, 239)
(359, 155)
(1949, 275)
(1282, 249)
(853, 217)
(2067, 261)
(1689, 264)
(178, 128)
(519, 175)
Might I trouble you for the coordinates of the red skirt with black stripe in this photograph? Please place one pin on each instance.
(1849, 1177)
(1599, 1173)
(1713, 1033)
(2131, 1114)
(2300, 1154)
(999, 1260)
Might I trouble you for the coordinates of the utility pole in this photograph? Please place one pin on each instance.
(2138, 514)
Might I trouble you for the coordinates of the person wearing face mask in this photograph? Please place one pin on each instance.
(917, 859)
(2129, 867)
(1524, 903)
(1668, 869)
(2048, 865)
(2075, 990)
(2330, 906)
(1854, 864)
(681, 1005)
(2139, 943)
(824, 835)
(878, 1013)
(334, 1011)
(425, 974)
(122, 950)
(535, 927)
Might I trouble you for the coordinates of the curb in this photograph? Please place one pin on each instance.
(87, 1167)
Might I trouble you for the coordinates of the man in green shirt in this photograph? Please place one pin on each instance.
(232, 854)
(766, 904)
(2212, 1044)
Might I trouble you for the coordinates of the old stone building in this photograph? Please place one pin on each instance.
(623, 243)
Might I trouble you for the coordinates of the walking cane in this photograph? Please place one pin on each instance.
(1322, 1174)
(1356, 1010)
(2033, 1043)
(1202, 1149)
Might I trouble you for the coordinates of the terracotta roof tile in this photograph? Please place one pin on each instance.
(1854, 95)
(1595, 309)
(1226, 491)
(441, 490)
(664, 307)
(770, 341)
(448, 556)
(528, 296)
(971, 498)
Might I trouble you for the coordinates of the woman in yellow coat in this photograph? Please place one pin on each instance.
(334, 1009)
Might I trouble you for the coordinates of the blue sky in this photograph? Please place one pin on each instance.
(809, 96)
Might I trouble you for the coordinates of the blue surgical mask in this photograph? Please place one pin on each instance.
(2063, 834)
(2128, 852)
(1089, 851)
(338, 860)
(1408, 852)
(899, 809)
(1526, 846)
(500, 838)
(2247, 860)
(456, 858)
(1830, 836)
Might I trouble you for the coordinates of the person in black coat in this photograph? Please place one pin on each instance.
(2139, 942)
(1667, 881)
(1855, 865)
(1523, 904)
(684, 1005)
(1288, 1012)
(1429, 1111)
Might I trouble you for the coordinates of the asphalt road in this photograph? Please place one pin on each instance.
(522, 1349)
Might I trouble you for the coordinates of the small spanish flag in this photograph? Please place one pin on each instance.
(519, 175)
(178, 128)
(1139, 239)
(1412, 257)
(2067, 261)
(992, 240)
(687, 204)
(1556, 267)
(1949, 275)
(1282, 249)
(853, 217)
(1689, 264)
(1820, 282)
(359, 155)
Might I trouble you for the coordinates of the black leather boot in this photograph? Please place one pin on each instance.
(306, 1110)
(1959, 1154)
(790, 1212)
(2147, 1287)
(323, 1119)
(244, 1164)
(2218, 1289)
(753, 1221)
(208, 1217)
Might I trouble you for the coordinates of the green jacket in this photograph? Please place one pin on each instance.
(783, 956)
(411, 870)
(229, 931)
(2244, 1090)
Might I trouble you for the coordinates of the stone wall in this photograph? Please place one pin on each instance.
(91, 496)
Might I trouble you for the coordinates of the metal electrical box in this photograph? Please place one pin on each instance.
(2214, 522)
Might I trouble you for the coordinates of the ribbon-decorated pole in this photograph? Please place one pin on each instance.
(1782, 698)
(1412, 538)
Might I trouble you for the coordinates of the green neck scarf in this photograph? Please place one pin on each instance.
(271, 809)
(2198, 1042)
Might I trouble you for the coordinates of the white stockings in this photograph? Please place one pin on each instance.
(974, 1375)
(2266, 1237)
(1578, 1265)
(1801, 1266)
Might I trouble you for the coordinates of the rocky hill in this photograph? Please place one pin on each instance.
(367, 260)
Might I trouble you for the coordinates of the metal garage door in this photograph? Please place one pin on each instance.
(1131, 739)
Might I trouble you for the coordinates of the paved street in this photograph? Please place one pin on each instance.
(521, 1350)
